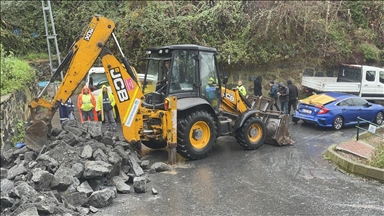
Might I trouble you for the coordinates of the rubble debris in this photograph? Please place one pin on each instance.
(30, 212)
(140, 184)
(120, 185)
(101, 198)
(3, 173)
(144, 164)
(16, 170)
(79, 170)
(93, 209)
(160, 167)
(154, 191)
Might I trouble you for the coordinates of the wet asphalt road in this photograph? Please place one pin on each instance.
(293, 180)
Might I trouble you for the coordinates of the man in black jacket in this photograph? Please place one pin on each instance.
(257, 90)
(293, 96)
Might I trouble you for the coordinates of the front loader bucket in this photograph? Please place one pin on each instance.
(276, 122)
(36, 135)
(277, 129)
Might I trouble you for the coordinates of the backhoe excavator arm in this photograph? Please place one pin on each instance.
(79, 60)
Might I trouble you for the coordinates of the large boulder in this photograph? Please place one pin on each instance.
(96, 169)
(101, 198)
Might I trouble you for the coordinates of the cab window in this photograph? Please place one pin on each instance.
(370, 76)
(97, 80)
(182, 73)
(209, 79)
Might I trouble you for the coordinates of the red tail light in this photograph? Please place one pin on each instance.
(323, 110)
(166, 104)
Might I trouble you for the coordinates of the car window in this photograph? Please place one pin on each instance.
(346, 102)
(370, 76)
(359, 101)
(381, 78)
(97, 80)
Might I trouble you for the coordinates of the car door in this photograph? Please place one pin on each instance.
(380, 85)
(368, 83)
(349, 111)
(363, 110)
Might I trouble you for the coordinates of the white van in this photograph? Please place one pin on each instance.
(362, 80)
(96, 78)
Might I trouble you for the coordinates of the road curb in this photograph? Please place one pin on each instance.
(353, 167)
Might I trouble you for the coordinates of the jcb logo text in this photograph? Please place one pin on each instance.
(89, 33)
(118, 83)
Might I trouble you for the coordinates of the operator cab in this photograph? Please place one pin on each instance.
(184, 71)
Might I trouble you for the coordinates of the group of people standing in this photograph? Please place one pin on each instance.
(287, 95)
(89, 108)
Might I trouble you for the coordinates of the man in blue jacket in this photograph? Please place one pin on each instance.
(273, 94)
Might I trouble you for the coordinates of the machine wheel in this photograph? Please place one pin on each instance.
(196, 134)
(155, 144)
(379, 118)
(338, 123)
(252, 134)
(295, 120)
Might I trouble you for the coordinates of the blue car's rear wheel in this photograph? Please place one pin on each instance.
(379, 118)
(338, 123)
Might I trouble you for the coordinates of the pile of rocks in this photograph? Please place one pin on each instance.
(80, 170)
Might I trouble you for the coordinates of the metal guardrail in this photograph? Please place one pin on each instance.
(365, 121)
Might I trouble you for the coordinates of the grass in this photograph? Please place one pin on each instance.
(34, 56)
(377, 159)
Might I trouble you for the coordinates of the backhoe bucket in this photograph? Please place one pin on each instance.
(276, 122)
(36, 135)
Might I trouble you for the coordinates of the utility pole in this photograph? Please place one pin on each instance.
(51, 35)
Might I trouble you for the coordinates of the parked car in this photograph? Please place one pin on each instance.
(336, 110)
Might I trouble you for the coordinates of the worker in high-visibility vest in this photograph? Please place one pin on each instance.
(241, 89)
(86, 103)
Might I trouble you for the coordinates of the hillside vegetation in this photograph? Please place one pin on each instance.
(258, 33)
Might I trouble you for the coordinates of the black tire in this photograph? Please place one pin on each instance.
(251, 135)
(295, 120)
(379, 118)
(196, 134)
(155, 144)
(338, 123)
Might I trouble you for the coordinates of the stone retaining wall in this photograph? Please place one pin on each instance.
(14, 108)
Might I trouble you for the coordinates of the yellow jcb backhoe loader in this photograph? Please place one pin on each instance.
(185, 112)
